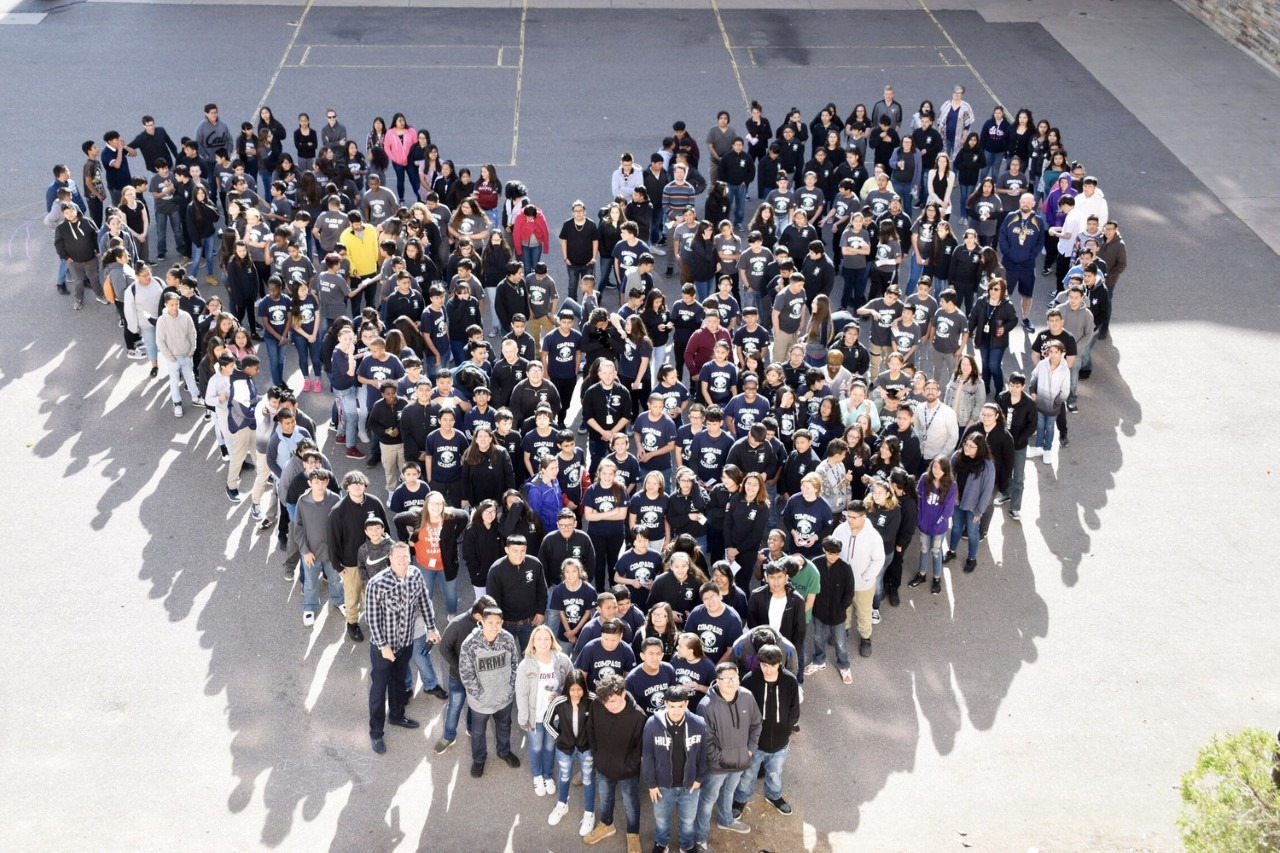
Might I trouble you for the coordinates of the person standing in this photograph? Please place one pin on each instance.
(777, 692)
(242, 405)
(733, 735)
(455, 633)
(673, 764)
(312, 532)
(76, 243)
(176, 344)
(863, 549)
(615, 727)
(519, 585)
(487, 665)
(346, 534)
(1020, 419)
(719, 145)
(579, 246)
(833, 601)
(211, 134)
(1022, 236)
(395, 599)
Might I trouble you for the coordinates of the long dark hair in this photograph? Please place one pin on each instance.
(944, 485)
(965, 466)
(473, 455)
(477, 514)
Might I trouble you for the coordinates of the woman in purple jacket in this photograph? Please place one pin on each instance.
(544, 492)
(975, 476)
(937, 491)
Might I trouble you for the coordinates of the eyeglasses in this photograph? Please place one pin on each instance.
(331, 115)
(727, 679)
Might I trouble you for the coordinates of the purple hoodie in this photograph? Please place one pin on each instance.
(1054, 217)
(935, 515)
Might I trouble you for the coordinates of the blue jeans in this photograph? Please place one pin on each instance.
(605, 275)
(960, 203)
(630, 789)
(308, 355)
(453, 711)
(992, 374)
(564, 773)
(436, 581)
(202, 249)
(737, 204)
(903, 189)
(311, 585)
(275, 357)
(168, 223)
(400, 176)
(966, 520)
(931, 554)
(916, 269)
(180, 371)
(421, 661)
(1018, 479)
(704, 289)
(347, 401)
(823, 634)
(655, 225)
(459, 351)
(502, 732)
(149, 340)
(542, 751)
(530, 255)
(855, 287)
(994, 163)
(1045, 426)
(1084, 361)
(773, 763)
(717, 793)
(684, 803)
(522, 633)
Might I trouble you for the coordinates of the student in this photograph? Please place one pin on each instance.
(638, 568)
(733, 734)
(538, 679)
(566, 720)
(718, 626)
(487, 663)
(651, 678)
(975, 477)
(674, 763)
(572, 602)
(777, 693)
(615, 726)
(830, 608)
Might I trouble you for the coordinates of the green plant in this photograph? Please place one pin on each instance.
(1230, 800)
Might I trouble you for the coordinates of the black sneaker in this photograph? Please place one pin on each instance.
(738, 809)
(289, 575)
(439, 692)
(354, 632)
(155, 371)
(948, 556)
(1073, 408)
(510, 758)
(1064, 442)
(233, 495)
(378, 745)
(1085, 374)
(62, 288)
(781, 805)
(936, 586)
(1001, 500)
(917, 581)
(893, 598)
(477, 769)
(223, 452)
(970, 566)
(404, 722)
(864, 648)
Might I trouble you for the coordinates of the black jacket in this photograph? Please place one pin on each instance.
(481, 548)
(346, 527)
(76, 241)
(983, 330)
(910, 458)
(510, 298)
(489, 479)
(555, 549)
(455, 521)
(1020, 419)
(745, 525)
(681, 505)
(559, 720)
(505, 378)
(458, 629)
(521, 591)
(831, 604)
(1002, 448)
(965, 270)
(615, 739)
(383, 418)
(416, 423)
(779, 704)
(793, 627)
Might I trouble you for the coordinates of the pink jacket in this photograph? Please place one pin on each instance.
(397, 150)
(522, 229)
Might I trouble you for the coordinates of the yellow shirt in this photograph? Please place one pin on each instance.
(362, 251)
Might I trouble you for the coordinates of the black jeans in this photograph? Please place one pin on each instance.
(386, 685)
(576, 272)
(565, 388)
(607, 550)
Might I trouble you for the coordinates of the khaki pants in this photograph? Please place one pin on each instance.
(861, 609)
(353, 592)
(879, 356)
(782, 343)
(539, 327)
(392, 462)
(241, 445)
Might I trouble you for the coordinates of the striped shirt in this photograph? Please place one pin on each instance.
(676, 197)
(393, 604)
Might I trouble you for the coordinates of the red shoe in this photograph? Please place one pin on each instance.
(354, 453)
(341, 438)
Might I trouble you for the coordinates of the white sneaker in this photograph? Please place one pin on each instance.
(550, 787)
(557, 813)
(1034, 452)
(363, 436)
(1051, 457)
(538, 787)
(588, 824)
(342, 608)
(875, 616)
(136, 353)
(177, 410)
(308, 619)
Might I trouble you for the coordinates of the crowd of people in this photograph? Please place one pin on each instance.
(669, 513)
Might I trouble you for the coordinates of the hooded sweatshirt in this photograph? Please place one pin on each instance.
(488, 671)
(670, 747)
(733, 729)
(779, 703)
(615, 739)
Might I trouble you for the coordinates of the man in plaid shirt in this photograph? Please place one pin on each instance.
(395, 600)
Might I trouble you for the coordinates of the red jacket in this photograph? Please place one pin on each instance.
(523, 228)
(701, 348)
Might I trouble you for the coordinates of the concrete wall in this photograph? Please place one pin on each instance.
(1253, 25)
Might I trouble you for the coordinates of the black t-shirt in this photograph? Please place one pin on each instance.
(790, 307)
(1043, 337)
(446, 455)
(578, 240)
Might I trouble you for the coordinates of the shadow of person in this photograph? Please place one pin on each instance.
(1072, 497)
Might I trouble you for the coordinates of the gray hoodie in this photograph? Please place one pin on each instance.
(312, 525)
(488, 671)
(733, 729)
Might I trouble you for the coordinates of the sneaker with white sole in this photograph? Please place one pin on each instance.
(549, 787)
(875, 616)
(1015, 515)
(538, 787)
(177, 410)
(342, 608)
(1035, 452)
(137, 353)
(557, 814)
(588, 824)
(1051, 457)
(814, 667)
(308, 619)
